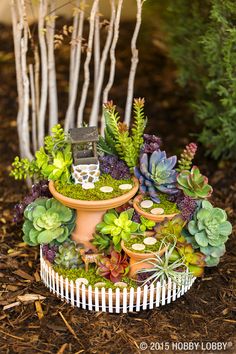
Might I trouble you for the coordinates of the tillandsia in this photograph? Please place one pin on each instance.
(113, 267)
(187, 157)
(208, 231)
(194, 184)
(117, 138)
(116, 168)
(68, 256)
(156, 174)
(53, 161)
(47, 220)
(120, 227)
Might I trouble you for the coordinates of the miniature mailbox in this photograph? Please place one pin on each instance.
(85, 159)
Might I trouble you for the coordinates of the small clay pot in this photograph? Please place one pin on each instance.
(90, 213)
(137, 257)
(149, 216)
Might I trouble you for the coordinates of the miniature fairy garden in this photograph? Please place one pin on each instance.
(115, 211)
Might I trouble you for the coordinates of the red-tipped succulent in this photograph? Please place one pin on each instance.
(187, 157)
(113, 267)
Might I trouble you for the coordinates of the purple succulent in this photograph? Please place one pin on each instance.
(49, 252)
(116, 168)
(136, 217)
(151, 143)
(187, 206)
(142, 277)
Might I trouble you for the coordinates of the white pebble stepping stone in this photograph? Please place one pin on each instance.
(100, 284)
(146, 204)
(157, 211)
(149, 241)
(126, 186)
(88, 185)
(82, 280)
(138, 247)
(121, 284)
(106, 189)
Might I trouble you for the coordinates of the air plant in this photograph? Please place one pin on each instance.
(194, 184)
(113, 267)
(187, 157)
(157, 174)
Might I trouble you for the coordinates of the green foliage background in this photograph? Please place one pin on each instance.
(202, 43)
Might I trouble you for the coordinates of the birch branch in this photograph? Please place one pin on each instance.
(37, 85)
(34, 109)
(96, 101)
(70, 114)
(96, 48)
(86, 64)
(44, 71)
(52, 82)
(134, 63)
(73, 48)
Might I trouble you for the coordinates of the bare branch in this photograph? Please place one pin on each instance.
(33, 105)
(96, 48)
(73, 47)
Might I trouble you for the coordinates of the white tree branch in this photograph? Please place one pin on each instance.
(34, 109)
(96, 48)
(73, 47)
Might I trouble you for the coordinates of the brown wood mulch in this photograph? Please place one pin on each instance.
(32, 320)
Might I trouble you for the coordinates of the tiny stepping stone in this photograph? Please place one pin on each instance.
(138, 247)
(82, 280)
(106, 189)
(121, 284)
(146, 204)
(100, 284)
(157, 211)
(149, 241)
(125, 186)
(88, 185)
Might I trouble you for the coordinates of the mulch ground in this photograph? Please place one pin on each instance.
(205, 314)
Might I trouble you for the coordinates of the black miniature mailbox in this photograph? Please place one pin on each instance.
(84, 145)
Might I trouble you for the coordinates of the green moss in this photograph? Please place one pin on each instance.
(139, 239)
(169, 207)
(76, 191)
(91, 276)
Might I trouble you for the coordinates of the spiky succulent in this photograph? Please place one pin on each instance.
(111, 165)
(68, 256)
(194, 184)
(113, 267)
(156, 174)
(47, 220)
(209, 230)
(187, 157)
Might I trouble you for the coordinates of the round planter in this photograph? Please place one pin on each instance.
(90, 213)
(137, 260)
(157, 218)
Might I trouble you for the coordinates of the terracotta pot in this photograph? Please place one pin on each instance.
(136, 258)
(157, 218)
(90, 213)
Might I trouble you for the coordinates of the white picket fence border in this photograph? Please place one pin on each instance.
(110, 300)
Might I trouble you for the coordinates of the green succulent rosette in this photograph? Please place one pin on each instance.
(47, 220)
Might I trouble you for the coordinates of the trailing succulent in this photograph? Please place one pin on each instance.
(113, 267)
(157, 174)
(119, 227)
(68, 256)
(47, 220)
(194, 184)
(118, 140)
(208, 231)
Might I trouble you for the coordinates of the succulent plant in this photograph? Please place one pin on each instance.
(187, 206)
(171, 230)
(113, 267)
(47, 220)
(195, 261)
(209, 230)
(156, 174)
(151, 143)
(194, 184)
(119, 227)
(49, 252)
(187, 156)
(102, 242)
(68, 256)
(146, 224)
(111, 165)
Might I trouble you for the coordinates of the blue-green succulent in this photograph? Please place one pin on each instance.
(157, 174)
(209, 230)
(68, 255)
(47, 220)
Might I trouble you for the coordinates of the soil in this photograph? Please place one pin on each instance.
(205, 314)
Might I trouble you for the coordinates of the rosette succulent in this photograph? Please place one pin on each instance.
(157, 174)
(68, 256)
(194, 184)
(47, 220)
(113, 267)
(151, 143)
(209, 230)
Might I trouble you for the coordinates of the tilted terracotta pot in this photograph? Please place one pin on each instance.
(136, 258)
(157, 218)
(90, 213)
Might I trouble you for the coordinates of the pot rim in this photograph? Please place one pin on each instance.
(142, 256)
